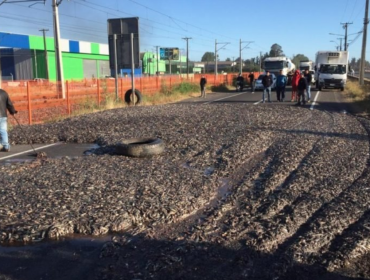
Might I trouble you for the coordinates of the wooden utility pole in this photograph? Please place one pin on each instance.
(364, 38)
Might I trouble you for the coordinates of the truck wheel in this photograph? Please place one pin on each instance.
(320, 88)
(317, 84)
(342, 88)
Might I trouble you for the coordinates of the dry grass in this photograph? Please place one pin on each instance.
(359, 95)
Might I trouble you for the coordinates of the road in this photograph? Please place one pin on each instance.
(245, 190)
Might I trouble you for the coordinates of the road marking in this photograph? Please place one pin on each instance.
(258, 102)
(26, 152)
(224, 98)
(314, 101)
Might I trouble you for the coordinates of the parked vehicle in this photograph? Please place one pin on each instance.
(312, 72)
(275, 64)
(306, 65)
(332, 69)
(259, 85)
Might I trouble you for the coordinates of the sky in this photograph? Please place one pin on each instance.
(299, 27)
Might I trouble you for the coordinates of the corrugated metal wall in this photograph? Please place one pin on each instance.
(90, 68)
(23, 64)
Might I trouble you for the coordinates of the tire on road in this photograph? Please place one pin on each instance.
(140, 147)
(128, 96)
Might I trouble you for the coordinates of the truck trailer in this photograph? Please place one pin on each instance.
(332, 69)
(275, 64)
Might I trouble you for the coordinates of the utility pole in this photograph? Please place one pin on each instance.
(157, 60)
(345, 26)
(364, 38)
(260, 61)
(58, 52)
(46, 53)
(340, 44)
(240, 53)
(223, 45)
(187, 56)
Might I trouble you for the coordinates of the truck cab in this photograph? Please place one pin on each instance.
(332, 69)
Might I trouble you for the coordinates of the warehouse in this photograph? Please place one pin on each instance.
(22, 57)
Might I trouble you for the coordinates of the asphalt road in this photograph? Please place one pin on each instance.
(329, 100)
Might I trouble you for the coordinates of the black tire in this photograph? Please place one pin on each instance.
(320, 88)
(342, 89)
(140, 147)
(128, 96)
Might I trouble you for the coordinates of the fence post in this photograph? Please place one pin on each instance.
(29, 104)
(157, 82)
(98, 90)
(170, 83)
(122, 93)
(68, 105)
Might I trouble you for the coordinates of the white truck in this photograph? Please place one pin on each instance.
(331, 69)
(306, 65)
(275, 64)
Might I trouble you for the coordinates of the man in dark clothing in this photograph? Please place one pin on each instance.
(308, 77)
(240, 82)
(5, 105)
(302, 86)
(251, 81)
(281, 81)
(203, 82)
(267, 83)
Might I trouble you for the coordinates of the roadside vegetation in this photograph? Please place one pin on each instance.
(359, 95)
(165, 95)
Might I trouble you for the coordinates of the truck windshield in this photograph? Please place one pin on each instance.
(271, 65)
(304, 68)
(333, 69)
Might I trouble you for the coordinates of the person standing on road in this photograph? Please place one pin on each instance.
(308, 77)
(281, 81)
(302, 86)
(5, 105)
(240, 81)
(203, 82)
(251, 81)
(295, 80)
(267, 83)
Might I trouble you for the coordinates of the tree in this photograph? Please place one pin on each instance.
(228, 59)
(276, 50)
(298, 58)
(208, 56)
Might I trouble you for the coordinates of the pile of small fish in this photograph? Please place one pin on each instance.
(297, 194)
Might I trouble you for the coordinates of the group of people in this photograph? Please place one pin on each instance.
(301, 85)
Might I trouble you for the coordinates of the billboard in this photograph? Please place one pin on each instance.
(169, 53)
(122, 28)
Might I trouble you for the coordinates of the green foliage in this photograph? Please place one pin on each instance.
(276, 50)
(208, 56)
(298, 58)
(185, 88)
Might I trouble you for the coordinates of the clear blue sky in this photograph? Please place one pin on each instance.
(300, 27)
